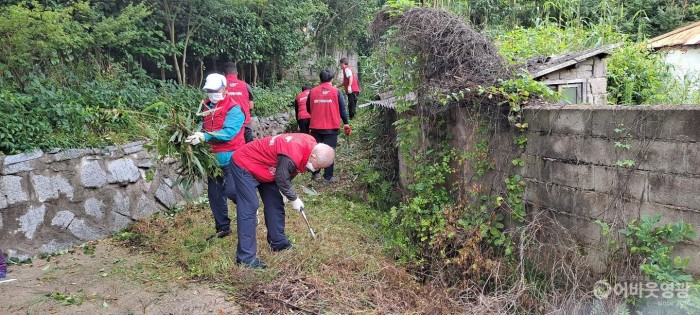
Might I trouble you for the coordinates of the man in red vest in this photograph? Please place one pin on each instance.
(326, 105)
(303, 116)
(269, 165)
(222, 126)
(242, 94)
(351, 85)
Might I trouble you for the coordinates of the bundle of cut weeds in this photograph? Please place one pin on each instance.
(196, 162)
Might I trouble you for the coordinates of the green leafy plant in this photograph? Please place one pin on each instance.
(65, 300)
(196, 162)
(654, 243)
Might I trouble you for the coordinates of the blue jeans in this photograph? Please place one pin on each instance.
(246, 210)
(218, 190)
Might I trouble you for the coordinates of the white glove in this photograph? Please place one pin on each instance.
(196, 138)
(297, 204)
(349, 89)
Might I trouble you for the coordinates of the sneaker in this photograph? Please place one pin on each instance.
(331, 180)
(275, 250)
(255, 264)
(316, 176)
(220, 234)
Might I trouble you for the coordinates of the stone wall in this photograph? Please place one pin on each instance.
(54, 200)
(571, 170)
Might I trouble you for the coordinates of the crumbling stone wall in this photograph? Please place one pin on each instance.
(571, 168)
(53, 200)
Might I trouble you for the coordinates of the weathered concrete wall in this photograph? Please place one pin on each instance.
(571, 171)
(685, 63)
(54, 200)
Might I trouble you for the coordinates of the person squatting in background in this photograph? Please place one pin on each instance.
(223, 125)
(302, 115)
(268, 165)
(326, 105)
(351, 86)
(242, 94)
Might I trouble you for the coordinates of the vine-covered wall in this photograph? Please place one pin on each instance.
(614, 164)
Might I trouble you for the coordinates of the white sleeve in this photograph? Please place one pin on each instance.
(348, 73)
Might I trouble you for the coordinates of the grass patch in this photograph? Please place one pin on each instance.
(345, 270)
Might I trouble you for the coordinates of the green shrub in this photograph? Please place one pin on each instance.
(275, 99)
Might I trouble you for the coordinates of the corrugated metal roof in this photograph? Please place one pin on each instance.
(685, 36)
(540, 66)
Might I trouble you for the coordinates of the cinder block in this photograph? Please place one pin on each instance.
(675, 190)
(692, 158)
(597, 85)
(568, 74)
(628, 183)
(537, 118)
(660, 156)
(604, 122)
(570, 121)
(567, 174)
(600, 68)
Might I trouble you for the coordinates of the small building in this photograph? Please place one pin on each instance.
(681, 50)
(580, 77)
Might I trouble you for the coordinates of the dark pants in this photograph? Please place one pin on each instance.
(218, 190)
(329, 137)
(352, 103)
(304, 125)
(248, 134)
(246, 209)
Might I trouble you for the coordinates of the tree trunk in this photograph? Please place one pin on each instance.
(171, 30)
(201, 72)
(162, 74)
(255, 73)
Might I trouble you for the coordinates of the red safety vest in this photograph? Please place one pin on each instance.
(260, 156)
(213, 122)
(301, 105)
(346, 80)
(325, 111)
(238, 90)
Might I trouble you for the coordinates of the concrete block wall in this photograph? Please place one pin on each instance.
(54, 200)
(571, 170)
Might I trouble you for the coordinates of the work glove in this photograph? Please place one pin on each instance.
(347, 130)
(297, 204)
(195, 138)
(349, 90)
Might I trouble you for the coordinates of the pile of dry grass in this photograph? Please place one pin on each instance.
(452, 55)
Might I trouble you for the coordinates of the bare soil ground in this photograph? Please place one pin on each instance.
(109, 279)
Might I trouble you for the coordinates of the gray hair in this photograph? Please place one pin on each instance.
(324, 154)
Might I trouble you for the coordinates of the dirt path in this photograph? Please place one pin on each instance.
(104, 281)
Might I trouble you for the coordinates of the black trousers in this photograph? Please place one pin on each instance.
(248, 134)
(352, 103)
(329, 137)
(304, 125)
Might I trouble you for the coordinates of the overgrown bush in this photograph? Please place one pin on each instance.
(275, 99)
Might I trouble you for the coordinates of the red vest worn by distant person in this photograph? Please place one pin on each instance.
(325, 110)
(238, 91)
(346, 80)
(301, 105)
(260, 156)
(215, 121)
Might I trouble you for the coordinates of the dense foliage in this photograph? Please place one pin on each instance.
(79, 73)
